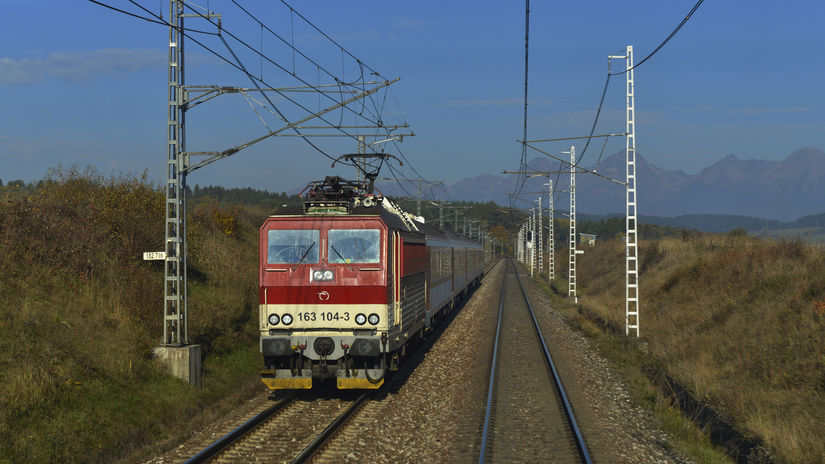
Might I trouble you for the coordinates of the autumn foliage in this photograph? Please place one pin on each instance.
(81, 312)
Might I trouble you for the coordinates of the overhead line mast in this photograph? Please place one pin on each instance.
(551, 236)
(571, 269)
(631, 218)
(551, 244)
(631, 232)
(175, 319)
(181, 98)
(539, 226)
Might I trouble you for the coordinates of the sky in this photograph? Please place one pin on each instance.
(82, 85)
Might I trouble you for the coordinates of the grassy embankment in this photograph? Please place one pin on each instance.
(81, 312)
(738, 321)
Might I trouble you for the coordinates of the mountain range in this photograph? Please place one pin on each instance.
(782, 190)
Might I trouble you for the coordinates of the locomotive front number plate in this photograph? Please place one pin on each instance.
(325, 316)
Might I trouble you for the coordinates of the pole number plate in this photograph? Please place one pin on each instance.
(154, 255)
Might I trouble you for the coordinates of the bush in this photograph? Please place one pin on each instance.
(739, 321)
(81, 312)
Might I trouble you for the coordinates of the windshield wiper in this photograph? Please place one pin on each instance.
(304, 256)
(342, 258)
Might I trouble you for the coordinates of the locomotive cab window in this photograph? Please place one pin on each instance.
(354, 246)
(292, 246)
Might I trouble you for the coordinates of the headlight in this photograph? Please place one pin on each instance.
(286, 319)
(273, 319)
(373, 319)
(360, 319)
(322, 275)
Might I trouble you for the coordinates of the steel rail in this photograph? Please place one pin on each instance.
(322, 438)
(571, 420)
(227, 440)
(491, 386)
(314, 446)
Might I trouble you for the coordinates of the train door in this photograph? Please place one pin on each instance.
(452, 270)
(427, 277)
(394, 280)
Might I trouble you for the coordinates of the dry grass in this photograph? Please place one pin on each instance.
(738, 320)
(81, 312)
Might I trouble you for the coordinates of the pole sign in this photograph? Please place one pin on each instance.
(154, 255)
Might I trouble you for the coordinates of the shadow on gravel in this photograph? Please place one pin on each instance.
(324, 389)
(418, 351)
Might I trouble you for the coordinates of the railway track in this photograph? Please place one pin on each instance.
(297, 421)
(302, 422)
(528, 417)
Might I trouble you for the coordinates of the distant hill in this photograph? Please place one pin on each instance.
(778, 190)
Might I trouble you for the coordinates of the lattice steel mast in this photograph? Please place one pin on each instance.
(551, 237)
(531, 226)
(175, 325)
(540, 225)
(174, 312)
(179, 162)
(631, 235)
(571, 270)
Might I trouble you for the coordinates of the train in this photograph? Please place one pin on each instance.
(348, 281)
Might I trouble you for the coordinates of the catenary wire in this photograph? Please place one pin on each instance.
(292, 46)
(521, 177)
(607, 81)
(255, 83)
(243, 70)
(526, 74)
(239, 66)
(274, 63)
(220, 28)
(344, 50)
(147, 19)
(685, 20)
(376, 116)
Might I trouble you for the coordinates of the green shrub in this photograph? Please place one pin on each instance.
(738, 320)
(81, 312)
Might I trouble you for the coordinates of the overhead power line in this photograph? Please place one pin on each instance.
(328, 37)
(377, 109)
(607, 82)
(685, 20)
(147, 19)
(252, 49)
(237, 64)
(526, 73)
(523, 164)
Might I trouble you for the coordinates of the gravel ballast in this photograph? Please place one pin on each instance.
(435, 414)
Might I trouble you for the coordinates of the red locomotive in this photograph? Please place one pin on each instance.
(347, 280)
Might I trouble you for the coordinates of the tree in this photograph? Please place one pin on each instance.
(500, 233)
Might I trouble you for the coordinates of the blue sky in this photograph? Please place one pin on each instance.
(82, 85)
